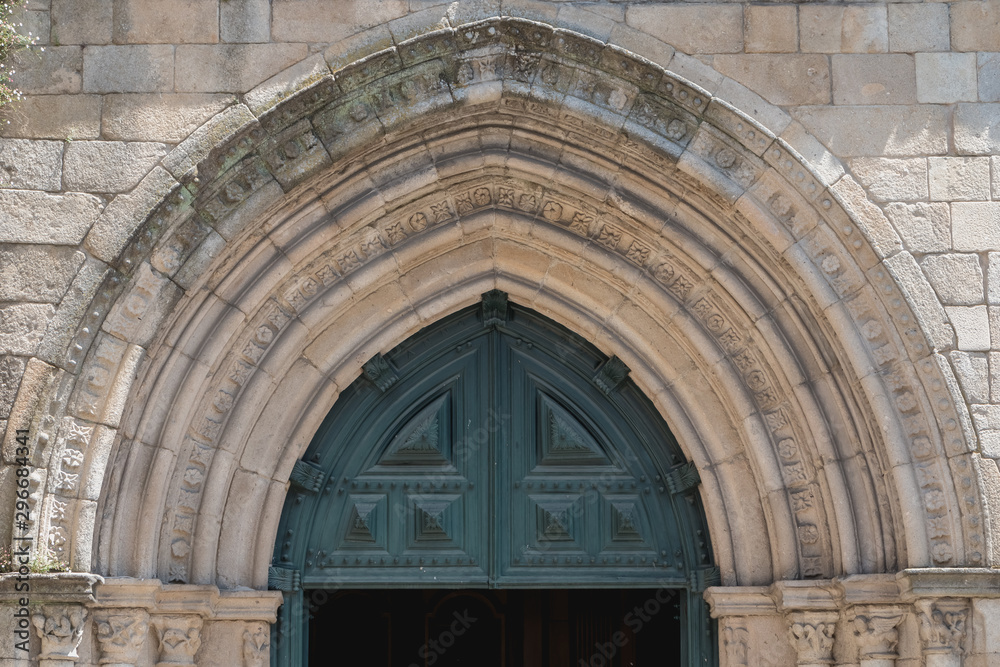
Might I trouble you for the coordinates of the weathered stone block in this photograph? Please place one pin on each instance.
(975, 226)
(977, 129)
(972, 326)
(128, 69)
(923, 227)
(794, 79)
(973, 372)
(38, 217)
(771, 29)
(245, 20)
(943, 78)
(49, 70)
(851, 131)
(120, 219)
(37, 273)
(22, 326)
(888, 179)
(159, 117)
(691, 28)
(587, 21)
(173, 22)
(108, 166)
(312, 20)
(957, 278)
(993, 279)
(232, 68)
(286, 83)
(649, 47)
(995, 175)
(959, 178)
(874, 79)
(11, 370)
(865, 29)
(989, 76)
(995, 377)
(34, 23)
(820, 27)
(31, 165)
(81, 21)
(918, 27)
(975, 25)
(55, 117)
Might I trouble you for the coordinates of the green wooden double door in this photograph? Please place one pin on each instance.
(497, 450)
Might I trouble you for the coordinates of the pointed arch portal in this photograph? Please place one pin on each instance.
(494, 449)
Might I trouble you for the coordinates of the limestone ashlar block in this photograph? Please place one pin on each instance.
(160, 117)
(874, 79)
(989, 76)
(973, 373)
(108, 166)
(977, 129)
(918, 27)
(792, 79)
(975, 226)
(232, 68)
(843, 29)
(892, 130)
(993, 279)
(168, 22)
(923, 227)
(142, 68)
(81, 21)
(56, 117)
(22, 326)
(49, 70)
(30, 216)
(959, 178)
(245, 21)
(975, 25)
(972, 326)
(702, 28)
(11, 370)
(943, 78)
(313, 20)
(31, 165)
(771, 29)
(37, 273)
(891, 179)
(957, 278)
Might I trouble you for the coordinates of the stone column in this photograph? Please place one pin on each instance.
(179, 639)
(60, 627)
(942, 623)
(875, 628)
(812, 635)
(120, 635)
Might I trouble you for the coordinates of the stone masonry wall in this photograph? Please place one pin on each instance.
(904, 96)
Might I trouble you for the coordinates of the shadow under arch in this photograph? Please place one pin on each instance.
(663, 220)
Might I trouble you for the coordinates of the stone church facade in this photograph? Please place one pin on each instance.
(784, 219)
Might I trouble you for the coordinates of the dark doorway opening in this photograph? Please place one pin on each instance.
(497, 628)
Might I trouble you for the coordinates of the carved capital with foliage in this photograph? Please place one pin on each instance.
(120, 634)
(256, 642)
(60, 628)
(180, 639)
(875, 629)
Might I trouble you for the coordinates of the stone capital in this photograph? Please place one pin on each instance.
(60, 627)
(812, 636)
(942, 623)
(256, 645)
(875, 628)
(120, 634)
(179, 639)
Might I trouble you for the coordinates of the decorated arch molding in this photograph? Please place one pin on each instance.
(304, 232)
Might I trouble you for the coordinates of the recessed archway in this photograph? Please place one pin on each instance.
(760, 315)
